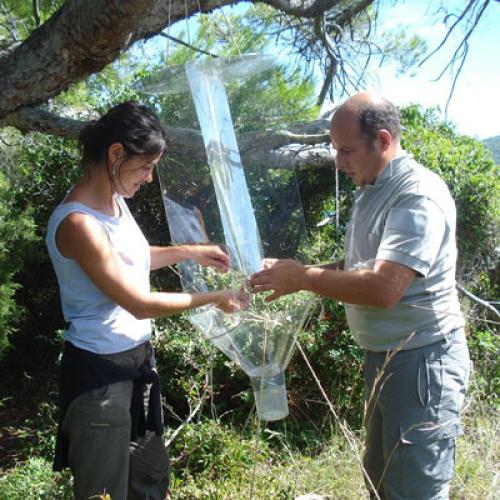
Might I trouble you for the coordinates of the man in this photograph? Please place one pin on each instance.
(398, 285)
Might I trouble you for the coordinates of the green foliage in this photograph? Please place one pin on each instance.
(214, 451)
(35, 480)
(43, 168)
(212, 461)
(477, 454)
(493, 144)
(337, 363)
(196, 370)
(16, 233)
(484, 346)
(17, 16)
(332, 470)
(465, 165)
(405, 49)
(38, 432)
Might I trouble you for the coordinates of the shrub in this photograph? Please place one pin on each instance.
(214, 451)
(16, 233)
(468, 169)
(35, 480)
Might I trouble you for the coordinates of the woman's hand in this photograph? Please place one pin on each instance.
(209, 255)
(231, 301)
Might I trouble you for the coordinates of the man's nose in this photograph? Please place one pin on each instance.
(339, 163)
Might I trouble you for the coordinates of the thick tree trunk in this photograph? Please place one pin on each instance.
(86, 35)
(80, 39)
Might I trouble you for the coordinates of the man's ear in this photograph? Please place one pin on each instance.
(115, 152)
(385, 139)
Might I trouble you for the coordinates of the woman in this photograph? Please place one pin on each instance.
(102, 262)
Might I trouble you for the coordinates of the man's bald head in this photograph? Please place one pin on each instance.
(372, 113)
(365, 133)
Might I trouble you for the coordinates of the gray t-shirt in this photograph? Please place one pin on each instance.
(407, 216)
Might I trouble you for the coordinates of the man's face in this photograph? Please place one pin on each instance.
(359, 159)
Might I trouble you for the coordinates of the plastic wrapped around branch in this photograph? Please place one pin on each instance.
(260, 339)
(173, 79)
(253, 213)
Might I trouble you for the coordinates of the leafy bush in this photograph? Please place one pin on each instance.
(45, 168)
(484, 346)
(214, 451)
(16, 233)
(468, 169)
(35, 480)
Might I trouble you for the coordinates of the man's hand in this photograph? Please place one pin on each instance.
(209, 255)
(283, 276)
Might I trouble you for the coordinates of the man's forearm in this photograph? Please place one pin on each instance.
(352, 287)
(382, 286)
(338, 265)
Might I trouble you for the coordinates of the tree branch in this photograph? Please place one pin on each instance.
(255, 147)
(479, 301)
(288, 158)
(36, 12)
(304, 8)
(448, 33)
(462, 50)
(84, 36)
(80, 39)
(189, 46)
(28, 119)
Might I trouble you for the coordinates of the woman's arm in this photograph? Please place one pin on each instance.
(81, 238)
(204, 254)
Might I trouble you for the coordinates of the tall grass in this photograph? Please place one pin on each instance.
(333, 472)
(233, 466)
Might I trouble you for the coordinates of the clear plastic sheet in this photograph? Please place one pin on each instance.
(254, 212)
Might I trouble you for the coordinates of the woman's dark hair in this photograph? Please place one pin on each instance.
(380, 115)
(131, 124)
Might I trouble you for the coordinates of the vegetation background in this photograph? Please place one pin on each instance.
(224, 452)
(493, 144)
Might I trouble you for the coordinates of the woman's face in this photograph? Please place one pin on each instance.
(134, 172)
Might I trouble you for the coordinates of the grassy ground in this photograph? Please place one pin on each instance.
(334, 473)
(246, 469)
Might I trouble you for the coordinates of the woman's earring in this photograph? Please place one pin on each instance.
(113, 170)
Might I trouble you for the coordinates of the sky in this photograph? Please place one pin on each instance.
(475, 106)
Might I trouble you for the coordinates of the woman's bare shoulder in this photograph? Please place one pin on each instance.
(78, 232)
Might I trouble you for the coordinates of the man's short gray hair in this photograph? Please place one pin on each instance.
(379, 115)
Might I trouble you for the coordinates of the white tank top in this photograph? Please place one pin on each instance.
(97, 323)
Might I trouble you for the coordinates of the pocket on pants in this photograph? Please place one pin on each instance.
(101, 409)
(442, 382)
(426, 458)
(430, 386)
